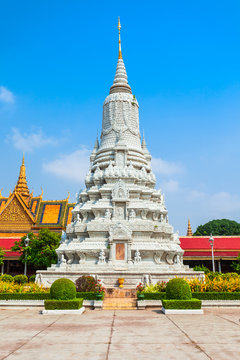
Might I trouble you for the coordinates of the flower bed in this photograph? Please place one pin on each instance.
(215, 282)
(11, 287)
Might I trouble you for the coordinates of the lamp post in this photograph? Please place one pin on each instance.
(211, 241)
(26, 243)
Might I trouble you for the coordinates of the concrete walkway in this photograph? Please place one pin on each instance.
(115, 334)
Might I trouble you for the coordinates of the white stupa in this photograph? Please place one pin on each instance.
(120, 223)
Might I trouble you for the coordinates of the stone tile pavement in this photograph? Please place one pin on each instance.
(119, 335)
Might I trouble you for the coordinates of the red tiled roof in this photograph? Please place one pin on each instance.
(6, 244)
(225, 246)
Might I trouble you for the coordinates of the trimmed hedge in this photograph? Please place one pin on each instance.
(216, 295)
(88, 295)
(182, 304)
(43, 296)
(63, 289)
(154, 296)
(178, 289)
(24, 296)
(73, 304)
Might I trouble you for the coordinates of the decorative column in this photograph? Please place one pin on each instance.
(129, 256)
(110, 258)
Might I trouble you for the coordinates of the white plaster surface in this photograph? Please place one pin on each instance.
(182, 312)
(63, 312)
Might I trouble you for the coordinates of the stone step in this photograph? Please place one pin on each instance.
(119, 308)
(120, 293)
(119, 301)
(119, 304)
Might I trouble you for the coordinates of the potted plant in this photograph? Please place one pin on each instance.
(140, 294)
(121, 281)
(100, 290)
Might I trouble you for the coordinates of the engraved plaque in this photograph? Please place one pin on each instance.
(120, 251)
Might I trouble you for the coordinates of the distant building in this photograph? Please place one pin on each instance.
(197, 250)
(21, 213)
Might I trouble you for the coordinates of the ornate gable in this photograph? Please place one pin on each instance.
(14, 216)
(119, 231)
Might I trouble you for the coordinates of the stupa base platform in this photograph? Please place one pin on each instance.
(109, 278)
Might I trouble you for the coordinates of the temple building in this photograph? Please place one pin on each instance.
(22, 212)
(197, 250)
(120, 225)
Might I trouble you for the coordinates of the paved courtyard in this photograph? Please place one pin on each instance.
(113, 335)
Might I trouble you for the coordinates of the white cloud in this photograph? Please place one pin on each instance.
(171, 186)
(6, 96)
(27, 142)
(163, 167)
(224, 204)
(72, 166)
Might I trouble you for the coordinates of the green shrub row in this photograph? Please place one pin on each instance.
(73, 304)
(154, 296)
(216, 295)
(43, 296)
(24, 296)
(18, 279)
(197, 295)
(90, 295)
(182, 304)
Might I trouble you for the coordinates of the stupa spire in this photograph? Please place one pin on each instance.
(21, 186)
(189, 230)
(119, 40)
(120, 83)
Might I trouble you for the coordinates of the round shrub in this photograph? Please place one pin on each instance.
(7, 278)
(32, 278)
(63, 289)
(86, 283)
(178, 289)
(20, 279)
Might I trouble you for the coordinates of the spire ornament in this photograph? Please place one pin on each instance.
(119, 40)
(120, 83)
(189, 230)
(21, 186)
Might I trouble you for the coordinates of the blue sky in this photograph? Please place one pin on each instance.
(57, 63)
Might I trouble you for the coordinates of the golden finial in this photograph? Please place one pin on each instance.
(119, 41)
(0, 193)
(189, 230)
(21, 186)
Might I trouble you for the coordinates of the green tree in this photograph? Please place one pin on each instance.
(41, 250)
(223, 227)
(2, 255)
(236, 265)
